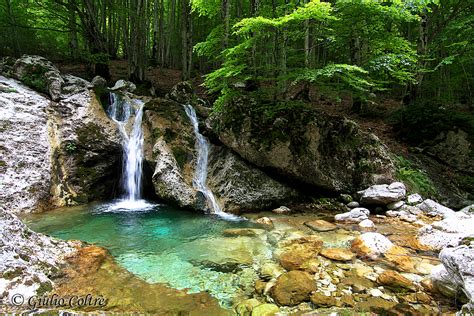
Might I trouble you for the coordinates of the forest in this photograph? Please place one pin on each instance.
(415, 51)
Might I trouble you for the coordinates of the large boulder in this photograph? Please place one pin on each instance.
(433, 208)
(171, 150)
(241, 186)
(293, 288)
(55, 153)
(455, 277)
(25, 152)
(303, 145)
(383, 194)
(447, 232)
(28, 261)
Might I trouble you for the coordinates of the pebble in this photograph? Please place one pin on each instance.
(375, 292)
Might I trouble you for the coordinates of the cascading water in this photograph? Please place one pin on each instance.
(121, 111)
(200, 174)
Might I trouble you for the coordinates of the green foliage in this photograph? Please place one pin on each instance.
(99, 58)
(416, 179)
(35, 78)
(70, 147)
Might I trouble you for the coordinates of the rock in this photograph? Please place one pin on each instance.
(359, 284)
(403, 215)
(410, 210)
(237, 232)
(353, 204)
(307, 146)
(182, 93)
(29, 262)
(40, 74)
(338, 254)
(265, 221)
(447, 232)
(282, 210)
(225, 254)
(468, 210)
(413, 199)
(265, 310)
(395, 205)
(260, 286)
(321, 300)
(375, 292)
(293, 288)
(456, 275)
(124, 85)
(395, 281)
(383, 194)
(320, 225)
(355, 215)
(432, 208)
(455, 149)
(98, 81)
(374, 245)
(270, 270)
(245, 308)
(366, 223)
(295, 254)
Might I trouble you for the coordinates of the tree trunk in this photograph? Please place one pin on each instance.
(186, 37)
(73, 43)
(137, 53)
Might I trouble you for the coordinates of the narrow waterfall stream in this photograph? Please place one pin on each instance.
(122, 111)
(200, 174)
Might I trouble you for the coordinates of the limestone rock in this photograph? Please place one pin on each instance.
(293, 288)
(295, 254)
(124, 85)
(413, 199)
(240, 186)
(249, 232)
(395, 280)
(468, 209)
(355, 215)
(338, 254)
(455, 277)
(383, 194)
(265, 310)
(366, 223)
(320, 225)
(245, 308)
(321, 300)
(265, 221)
(432, 208)
(282, 210)
(447, 232)
(455, 149)
(28, 261)
(314, 149)
(395, 205)
(98, 81)
(353, 204)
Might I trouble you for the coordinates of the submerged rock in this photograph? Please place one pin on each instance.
(383, 194)
(292, 288)
(395, 281)
(304, 146)
(320, 225)
(338, 254)
(296, 253)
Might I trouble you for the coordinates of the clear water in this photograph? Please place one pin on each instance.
(200, 174)
(160, 244)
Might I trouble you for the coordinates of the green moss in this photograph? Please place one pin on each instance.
(3, 163)
(156, 133)
(35, 78)
(13, 273)
(181, 156)
(44, 288)
(169, 135)
(70, 147)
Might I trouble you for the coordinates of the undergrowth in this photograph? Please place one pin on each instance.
(416, 179)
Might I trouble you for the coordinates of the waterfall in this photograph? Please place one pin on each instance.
(124, 113)
(200, 174)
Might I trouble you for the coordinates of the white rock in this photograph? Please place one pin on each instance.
(447, 232)
(124, 85)
(411, 209)
(457, 271)
(353, 204)
(395, 205)
(366, 223)
(375, 292)
(355, 215)
(413, 199)
(282, 210)
(376, 243)
(383, 194)
(468, 209)
(433, 208)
